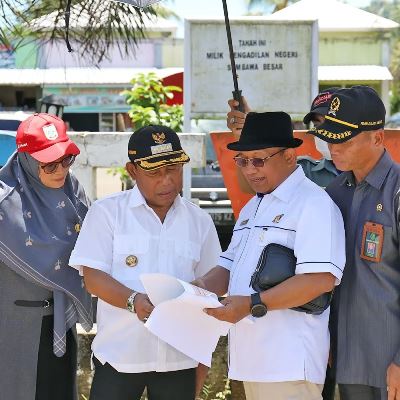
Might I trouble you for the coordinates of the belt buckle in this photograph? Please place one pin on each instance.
(46, 304)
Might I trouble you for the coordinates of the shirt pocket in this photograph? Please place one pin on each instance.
(186, 256)
(269, 235)
(236, 239)
(130, 256)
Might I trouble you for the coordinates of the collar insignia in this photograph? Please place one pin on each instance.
(277, 219)
(158, 138)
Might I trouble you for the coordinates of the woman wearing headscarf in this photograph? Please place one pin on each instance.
(42, 207)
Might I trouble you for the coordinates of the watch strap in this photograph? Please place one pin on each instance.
(255, 299)
(130, 302)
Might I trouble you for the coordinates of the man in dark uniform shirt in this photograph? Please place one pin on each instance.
(366, 306)
(323, 171)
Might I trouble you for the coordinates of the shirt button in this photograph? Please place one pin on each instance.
(348, 184)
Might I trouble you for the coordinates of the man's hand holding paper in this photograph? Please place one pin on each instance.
(235, 309)
(178, 317)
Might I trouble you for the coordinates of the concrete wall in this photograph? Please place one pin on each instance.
(109, 149)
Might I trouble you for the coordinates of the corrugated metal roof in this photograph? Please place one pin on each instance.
(77, 76)
(354, 73)
(122, 76)
(333, 15)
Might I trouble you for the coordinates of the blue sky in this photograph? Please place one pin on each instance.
(213, 8)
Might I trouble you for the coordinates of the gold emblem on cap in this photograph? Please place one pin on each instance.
(334, 107)
(379, 207)
(131, 261)
(159, 138)
(132, 152)
(77, 228)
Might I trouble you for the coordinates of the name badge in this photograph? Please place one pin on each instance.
(372, 242)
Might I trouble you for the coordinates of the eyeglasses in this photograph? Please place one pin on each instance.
(51, 168)
(256, 162)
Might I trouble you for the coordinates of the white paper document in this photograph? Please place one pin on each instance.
(178, 317)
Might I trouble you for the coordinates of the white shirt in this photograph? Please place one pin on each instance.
(284, 345)
(186, 246)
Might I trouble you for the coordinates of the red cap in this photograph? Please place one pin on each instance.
(44, 137)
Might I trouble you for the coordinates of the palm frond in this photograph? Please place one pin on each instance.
(95, 26)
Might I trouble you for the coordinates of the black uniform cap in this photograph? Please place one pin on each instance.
(351, 111)
(156, 146)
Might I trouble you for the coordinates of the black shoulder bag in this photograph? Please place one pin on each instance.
(278, 263)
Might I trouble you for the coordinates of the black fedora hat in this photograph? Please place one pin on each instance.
(264, 130)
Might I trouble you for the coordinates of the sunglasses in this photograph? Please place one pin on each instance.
(51, 168)
(255, 162)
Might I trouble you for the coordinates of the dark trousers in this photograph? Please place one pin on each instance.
(362, 392)
(56, 376)
(109, 384)
(329, 386)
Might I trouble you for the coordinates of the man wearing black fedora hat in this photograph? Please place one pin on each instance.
(283, 354)
(147, 229)
(322, 171)
(366, 308)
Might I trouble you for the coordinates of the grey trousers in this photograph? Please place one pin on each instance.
(361, 392)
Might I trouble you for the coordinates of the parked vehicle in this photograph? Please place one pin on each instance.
(9, 123)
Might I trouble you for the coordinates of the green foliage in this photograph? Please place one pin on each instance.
(96, 26)
(148, 97)
(384, 8)
(277, 4)
(391, 10)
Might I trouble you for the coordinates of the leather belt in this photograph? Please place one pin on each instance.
(32, 303)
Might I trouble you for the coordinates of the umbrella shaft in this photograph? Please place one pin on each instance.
(231, 55)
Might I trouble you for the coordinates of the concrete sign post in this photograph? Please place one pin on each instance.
(276, 61)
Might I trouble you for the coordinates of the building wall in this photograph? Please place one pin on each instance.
(55, 55)
(352, 48)
(172, 53)
(27, 56)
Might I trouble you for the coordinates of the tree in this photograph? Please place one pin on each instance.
(391, 10)
(277, 4)
(96, 25)
(148, 97)
(384, 8)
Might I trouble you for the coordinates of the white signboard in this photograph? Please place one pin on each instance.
(276, 61)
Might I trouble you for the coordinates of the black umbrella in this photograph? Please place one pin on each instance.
(237, 94)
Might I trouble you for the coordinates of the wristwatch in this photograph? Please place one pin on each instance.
(258, 308)
(130, 303)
